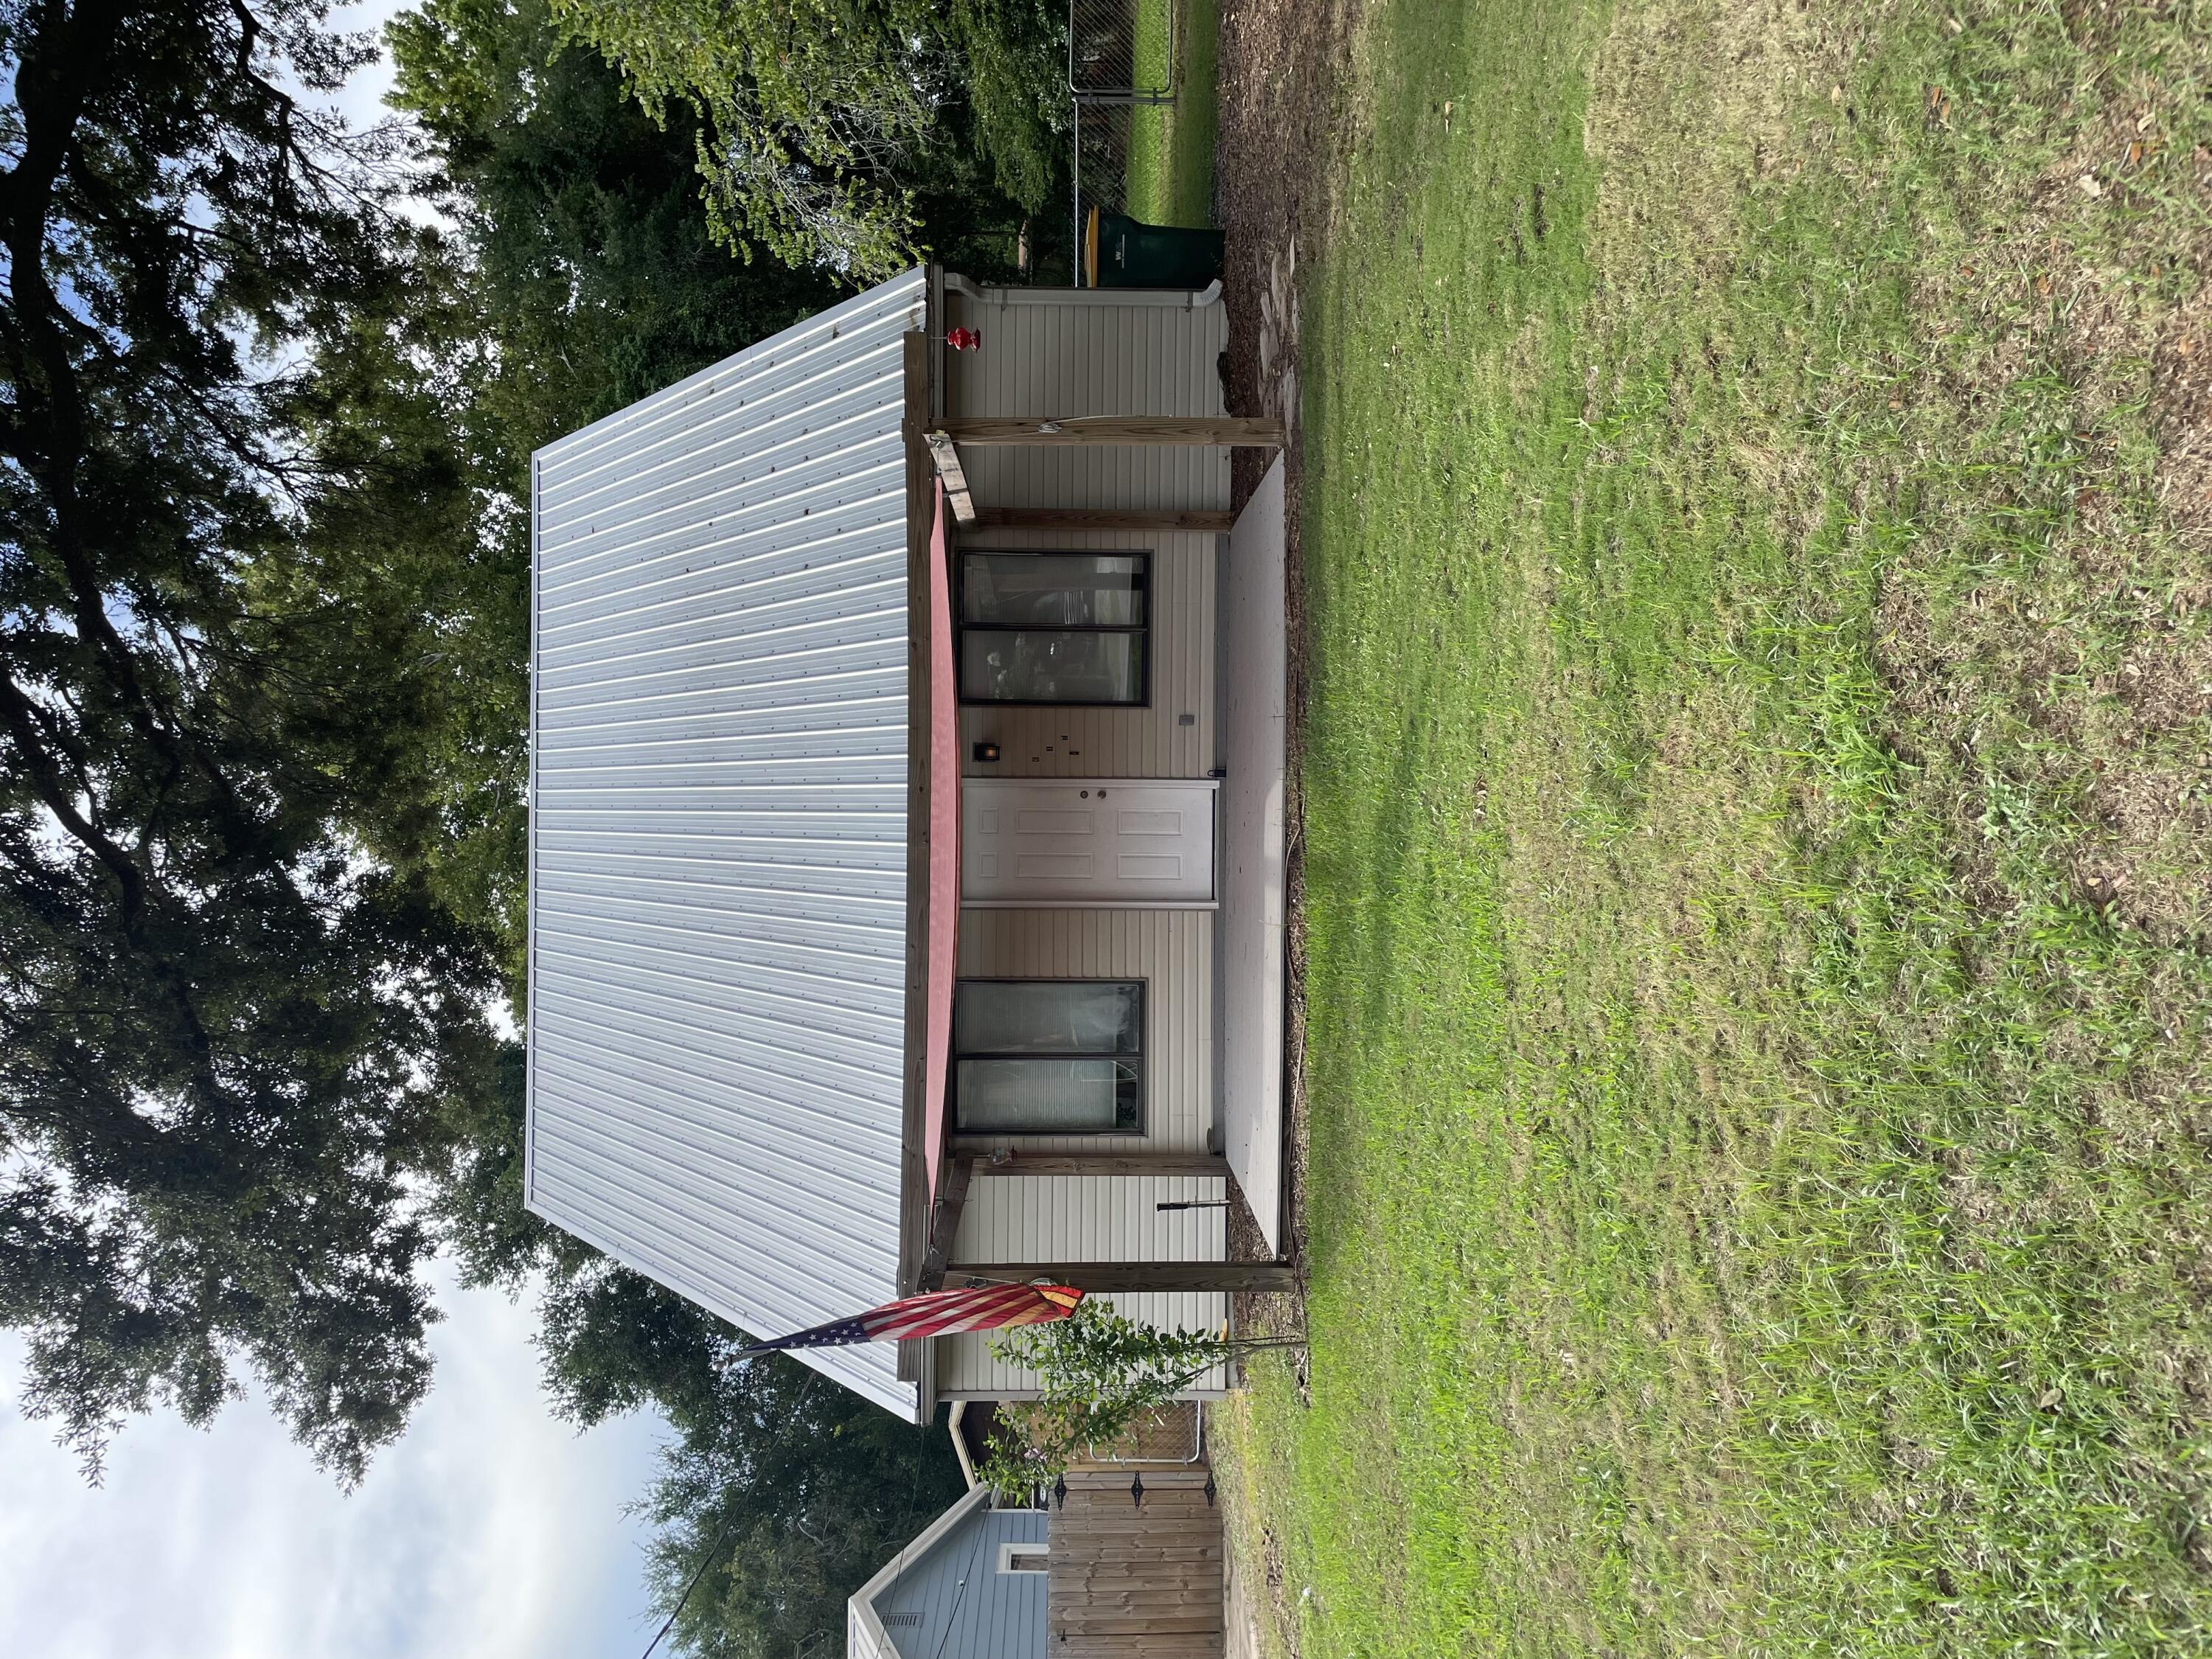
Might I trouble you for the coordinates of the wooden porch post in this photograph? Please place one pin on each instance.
(1202, 1164)
(945, 1224)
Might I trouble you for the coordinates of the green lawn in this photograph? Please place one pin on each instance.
(1171, 145)
(1757, 840)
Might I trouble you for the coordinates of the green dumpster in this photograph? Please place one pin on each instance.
(1119, 251)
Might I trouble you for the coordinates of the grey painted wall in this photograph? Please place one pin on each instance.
(955, 1603)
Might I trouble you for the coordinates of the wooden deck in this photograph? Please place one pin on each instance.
(1136, 1580)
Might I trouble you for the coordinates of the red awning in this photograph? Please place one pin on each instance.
(943, 846)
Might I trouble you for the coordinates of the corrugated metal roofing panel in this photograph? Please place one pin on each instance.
(719, 835)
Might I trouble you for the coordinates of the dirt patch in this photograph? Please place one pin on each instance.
(1663, 73)
(1280, 62)
(1282, 1612)
(2181, 412)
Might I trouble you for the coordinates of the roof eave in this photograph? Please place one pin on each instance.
(915, 1194)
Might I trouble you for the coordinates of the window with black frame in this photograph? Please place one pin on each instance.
(1048, 1056)
(1055, 628)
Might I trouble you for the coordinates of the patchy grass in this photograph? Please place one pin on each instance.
(1756, 789)
(1171, 179)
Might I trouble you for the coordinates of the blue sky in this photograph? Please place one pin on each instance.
(490, 1531)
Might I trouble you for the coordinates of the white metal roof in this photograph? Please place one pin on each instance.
(718, 832)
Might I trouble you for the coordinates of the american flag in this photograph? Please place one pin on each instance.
(935, 1313)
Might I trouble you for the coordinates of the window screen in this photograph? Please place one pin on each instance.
(1048, 1056)
(1054, 627)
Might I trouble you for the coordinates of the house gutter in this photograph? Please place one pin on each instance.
(1184, 299)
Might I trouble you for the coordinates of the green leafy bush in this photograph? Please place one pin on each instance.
(1101, 1374)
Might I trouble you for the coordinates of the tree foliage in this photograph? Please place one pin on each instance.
(820, 125)
(1100, 1375)
(264, 557)
(595, 279)
(781, 1491)
(783, 1503)
(235, 1013)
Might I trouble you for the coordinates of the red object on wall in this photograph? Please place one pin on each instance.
(944, 844)
(964, 339)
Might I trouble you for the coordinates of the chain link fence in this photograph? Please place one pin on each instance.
(1101, 159)
(1121, 50)
(1120, 55)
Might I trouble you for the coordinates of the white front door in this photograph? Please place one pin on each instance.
(1112, 841)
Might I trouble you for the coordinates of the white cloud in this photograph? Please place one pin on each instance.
(489, 1530)
(362, 98)
(361, 101)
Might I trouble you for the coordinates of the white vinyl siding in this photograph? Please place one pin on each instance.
(1088, 356)
(1083, 354)
(1044, 1219)
(1090, 1219)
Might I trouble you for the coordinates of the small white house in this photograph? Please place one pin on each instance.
(905, 821)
